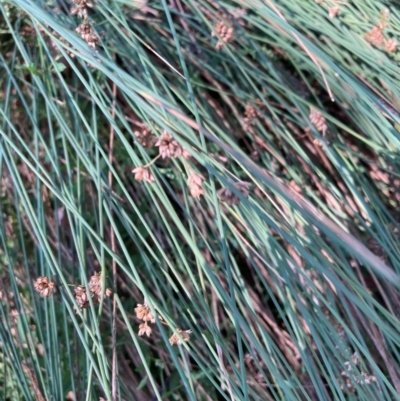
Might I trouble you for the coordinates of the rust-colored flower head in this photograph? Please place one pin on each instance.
(168, 147)
(146, 137)
(227, 196)
(143, 173)
(95, 287)
(81, 297)
(195, 182)
(144, 328)
(183, 335)
(143, 312)
(224, 32)
(318, 120)
(44, 287)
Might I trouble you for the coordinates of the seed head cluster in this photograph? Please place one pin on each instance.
(180, 336)
(195, 183)
(85, 28)
(227, 195)
(146, 137)
(88, 34)
(143, 173)
(44, 287)
(168, 147)
(377, 38)
(224, 33)
(95, 291)
(144, 313)
(318, 120)
(250, 116)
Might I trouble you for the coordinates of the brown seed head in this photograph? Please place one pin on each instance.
(224, 32)
(144, 328)
(143, 312)
(44, 287)
(391, 45)
(168, 147)
(87, 34)
(146, 137)
(81, 7)
(81, 297)
(318, 120)
(250, 111)
(95, 287)
(333, 11)
(227, 196)
(143, 173)
(195, 182)
(177, 339)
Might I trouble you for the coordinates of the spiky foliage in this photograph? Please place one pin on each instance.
(252, 253)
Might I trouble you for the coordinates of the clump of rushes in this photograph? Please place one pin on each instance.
(195, 183)
(227, 196)
(169, 147)
(224, 33)
(179, 336)
(44, 287)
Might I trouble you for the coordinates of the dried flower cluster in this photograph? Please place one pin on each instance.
(146, 137)
(143, 313)
(224, 33)
(143, 173)
(333, 11)
(391, 45)
(318, 120)
(81, 8)
(88, 34)
(44, 287)
(169, 147)
(227, 196)
(195, 182)
(95, 289)
(179, 336)
(350, 377)
(85, 28)
(81, 297)
(377, 38)
(250, 116)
